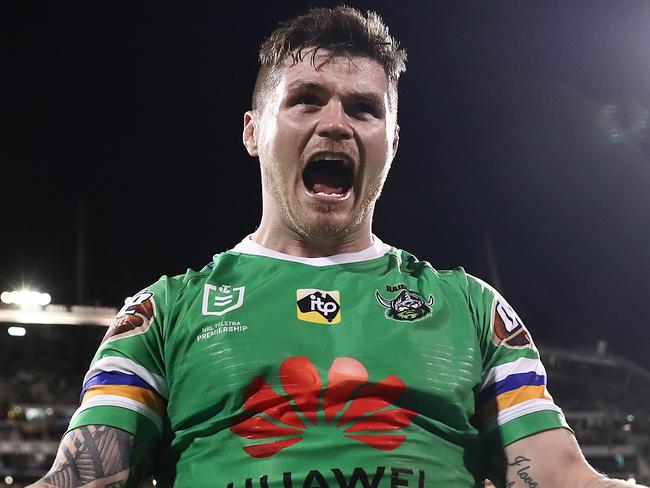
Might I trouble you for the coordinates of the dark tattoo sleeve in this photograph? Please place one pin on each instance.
(96, 456)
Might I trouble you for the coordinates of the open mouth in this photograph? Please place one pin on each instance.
(328, 177)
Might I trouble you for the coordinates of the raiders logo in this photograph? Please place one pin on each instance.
(135, 317)
(408, 306)
(508, 329)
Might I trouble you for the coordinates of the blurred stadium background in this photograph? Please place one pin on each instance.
(45, 351)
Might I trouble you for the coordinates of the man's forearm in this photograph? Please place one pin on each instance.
(550, 459)
(524, 472)
(609, 483)
(96, 456)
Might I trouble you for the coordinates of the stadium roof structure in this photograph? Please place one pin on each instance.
(59, 314)
(594, 358)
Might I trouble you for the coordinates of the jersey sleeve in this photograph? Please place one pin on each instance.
(125, 386)
(513, 400)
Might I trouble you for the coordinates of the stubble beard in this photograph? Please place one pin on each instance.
(326, 225)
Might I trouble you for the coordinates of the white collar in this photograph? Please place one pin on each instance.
(376, 250)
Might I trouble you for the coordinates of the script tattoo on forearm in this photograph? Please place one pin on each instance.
(91, 457)
(522, 465)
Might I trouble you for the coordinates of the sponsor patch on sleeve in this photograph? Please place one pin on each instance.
(134, 317)
(507, 328)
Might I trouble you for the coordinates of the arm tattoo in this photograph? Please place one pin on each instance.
(518, 468)
(95, 456)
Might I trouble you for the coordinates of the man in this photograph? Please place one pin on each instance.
(312, 354)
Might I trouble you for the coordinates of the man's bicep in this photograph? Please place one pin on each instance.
(97, 456)
(551, 459)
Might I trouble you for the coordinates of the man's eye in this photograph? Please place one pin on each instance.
(308, 100)
(365, 108)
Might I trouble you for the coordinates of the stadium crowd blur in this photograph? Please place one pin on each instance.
(40, 377)
(606, 400)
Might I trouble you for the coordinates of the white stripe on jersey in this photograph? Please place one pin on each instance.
(120, 401)
(519, 410)
(521, 365)
(124, 365)
(377, 249)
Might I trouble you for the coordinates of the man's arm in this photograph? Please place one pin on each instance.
(552, 459)
(98, 456)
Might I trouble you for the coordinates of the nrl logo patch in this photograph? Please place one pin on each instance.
(407, 306)
(219, 300)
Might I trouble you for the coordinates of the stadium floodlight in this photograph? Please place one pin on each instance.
(25, 298)
(17, 331)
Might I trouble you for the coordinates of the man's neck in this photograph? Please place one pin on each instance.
(312, 247)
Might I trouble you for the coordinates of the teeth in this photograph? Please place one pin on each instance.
(329, 194)
(329, 157)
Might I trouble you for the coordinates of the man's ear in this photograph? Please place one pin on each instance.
(396, 140)
(250, 133)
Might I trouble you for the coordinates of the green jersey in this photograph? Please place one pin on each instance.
(367, 370)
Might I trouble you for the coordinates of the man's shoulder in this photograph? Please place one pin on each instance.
(194, 280)
(455, 279)
(174, 284)
(408, 262)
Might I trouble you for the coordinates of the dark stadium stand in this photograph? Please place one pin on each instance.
(606, 400)
(40, 381)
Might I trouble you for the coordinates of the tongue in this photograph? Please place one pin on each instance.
(327, 188)
(326, 177)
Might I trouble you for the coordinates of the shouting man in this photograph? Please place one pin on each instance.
(312, 354)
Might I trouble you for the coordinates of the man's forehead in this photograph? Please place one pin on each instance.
(358, 72)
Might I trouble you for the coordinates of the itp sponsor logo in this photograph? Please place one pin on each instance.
(318, 306)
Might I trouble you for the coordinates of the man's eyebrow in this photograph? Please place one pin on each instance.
(305, 85)
(369, 97)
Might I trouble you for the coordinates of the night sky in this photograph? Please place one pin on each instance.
(524, 133)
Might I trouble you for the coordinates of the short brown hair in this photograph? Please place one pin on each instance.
(341, 30)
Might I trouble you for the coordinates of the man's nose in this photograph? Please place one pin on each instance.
(334, 122)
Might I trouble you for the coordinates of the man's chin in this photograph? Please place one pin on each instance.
(327, 220)
(327, 225)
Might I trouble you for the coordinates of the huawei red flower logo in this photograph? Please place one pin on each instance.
(362, 412)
